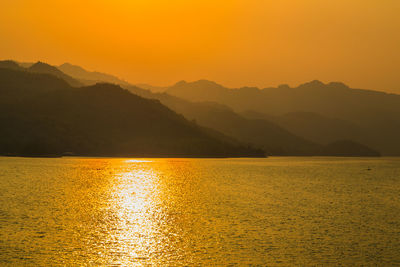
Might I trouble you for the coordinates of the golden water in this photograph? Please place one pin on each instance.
(275, 211)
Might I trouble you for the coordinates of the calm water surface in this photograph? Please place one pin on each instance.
(275, 211)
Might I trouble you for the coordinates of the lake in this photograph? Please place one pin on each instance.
(277, 211)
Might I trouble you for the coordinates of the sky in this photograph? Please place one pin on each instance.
(233, 42)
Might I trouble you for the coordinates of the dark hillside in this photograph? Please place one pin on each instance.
(42, 115)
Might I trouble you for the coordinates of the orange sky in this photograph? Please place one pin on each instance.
(234, 42)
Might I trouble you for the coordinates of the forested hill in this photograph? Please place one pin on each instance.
(42, 115)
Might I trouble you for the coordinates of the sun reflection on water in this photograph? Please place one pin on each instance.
(145, 231)
(137, 160)
(135, 204)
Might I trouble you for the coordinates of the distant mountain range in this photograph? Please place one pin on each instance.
(40, 67)
(9, 64)
(89, 77)
(274, 139)
(316, 111)
(43, 115)
(229, 111)
(93, 77)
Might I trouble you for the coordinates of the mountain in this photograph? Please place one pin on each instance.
(375, 114)
(43, 115)
(14, 84)
(333, 99)
(199, 91)
(89, 77)
(93, 77)
(333, 134)
(313, 126)
(9, 64)
(41, 67)
(274, 139)
(287, 135)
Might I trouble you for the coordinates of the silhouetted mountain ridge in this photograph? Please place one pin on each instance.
(275, 140)
(314, 126)
(89, 77)
(9, 64)
(376, 113)
(273, 134)
(41, 67)
(43, 115)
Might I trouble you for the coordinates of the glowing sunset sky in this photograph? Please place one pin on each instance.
(234, 42)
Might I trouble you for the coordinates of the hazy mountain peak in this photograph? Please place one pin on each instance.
(180, 83)
(89, 77)
(338, 85)
(43, 66)
(8, 61)
(319, 84)
(10, 64)
(39, 63)
(67, 64)
(199, 83)
(207, 83)
(71, 66)
(312, 84)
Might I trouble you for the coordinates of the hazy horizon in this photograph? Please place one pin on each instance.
(166, 86)
(236, 43)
